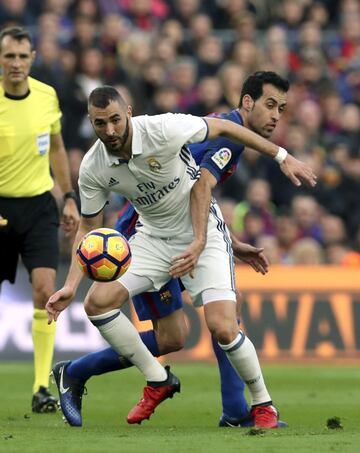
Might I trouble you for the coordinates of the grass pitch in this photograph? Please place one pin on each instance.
(309, 398)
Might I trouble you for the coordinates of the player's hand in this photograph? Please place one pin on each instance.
(58, 302)
(70, 217)
(186, 262)
(253, 256)
(298, 171)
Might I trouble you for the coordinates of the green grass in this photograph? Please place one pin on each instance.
(307, 397)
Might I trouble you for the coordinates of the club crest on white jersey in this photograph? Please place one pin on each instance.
(154, 165)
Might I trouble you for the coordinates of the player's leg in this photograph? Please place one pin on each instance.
(165, 309)
(170, 330)
(213, 286)
(164, 304)
(43, 335)
(102, 306)
(40, 255)
(167, 336)
(220, 315)
(235, 408)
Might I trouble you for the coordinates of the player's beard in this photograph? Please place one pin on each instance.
(260, 130)
(122, 140)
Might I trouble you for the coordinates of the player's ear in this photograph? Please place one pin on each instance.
(129, 110)
(248, 102)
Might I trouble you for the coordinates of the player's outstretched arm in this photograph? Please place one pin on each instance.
(293, 168)
(63, 297)
(200, 199)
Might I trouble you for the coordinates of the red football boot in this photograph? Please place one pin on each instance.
(154, 394)
(265, 416)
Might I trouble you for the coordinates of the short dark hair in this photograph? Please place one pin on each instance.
(102, 96)
(253, 85)
(17, 33)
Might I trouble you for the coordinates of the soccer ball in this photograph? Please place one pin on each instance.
(103, 255)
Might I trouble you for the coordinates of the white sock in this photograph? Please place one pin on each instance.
(121, 334)
(242, 355)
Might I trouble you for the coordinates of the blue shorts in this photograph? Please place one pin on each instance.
(157, 305)
(154, 305)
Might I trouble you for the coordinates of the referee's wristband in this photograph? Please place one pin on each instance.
(71, 194)
(281, 155)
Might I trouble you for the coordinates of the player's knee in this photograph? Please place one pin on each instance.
(171, 344)
(41, 293)
(172, 341)
(223, 332)
(91, 304)
(98, 301)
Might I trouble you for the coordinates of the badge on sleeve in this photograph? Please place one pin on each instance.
(221, 157)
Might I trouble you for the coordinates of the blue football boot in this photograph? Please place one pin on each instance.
(71, 391)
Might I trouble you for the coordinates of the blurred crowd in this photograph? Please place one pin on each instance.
(192, 56)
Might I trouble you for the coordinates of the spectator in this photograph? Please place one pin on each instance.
(247, 55)
(184, 10)
(209, 97)
(271, 247)
(308, 252)
(200, 28)
(84, 35)
(306, 213)
(340, 254)
(15, 12)
(286, 232)
(210, 56)
(333, 230)
(258, 202)
(165, 99)
(183, 74)
(232, 77)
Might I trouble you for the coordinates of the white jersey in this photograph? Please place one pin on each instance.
(158, 178)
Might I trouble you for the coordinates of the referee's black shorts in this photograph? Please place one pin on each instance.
(31, 232)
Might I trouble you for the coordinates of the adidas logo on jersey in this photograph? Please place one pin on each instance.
(113, 182)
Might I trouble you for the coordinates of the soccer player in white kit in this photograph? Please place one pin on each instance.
(143, 159)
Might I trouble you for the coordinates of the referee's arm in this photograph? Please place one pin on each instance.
(61, 170)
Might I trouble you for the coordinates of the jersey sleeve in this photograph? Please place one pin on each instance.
(93, 197)
(181, 129)
(221, 157)
(56, 123)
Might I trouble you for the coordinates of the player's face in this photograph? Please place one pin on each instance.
(112, 125)
(267, 110)
(16, 58)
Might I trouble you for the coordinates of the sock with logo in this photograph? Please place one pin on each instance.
(242, 355)
(108, 359)
(43, 336)
(234, 404)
